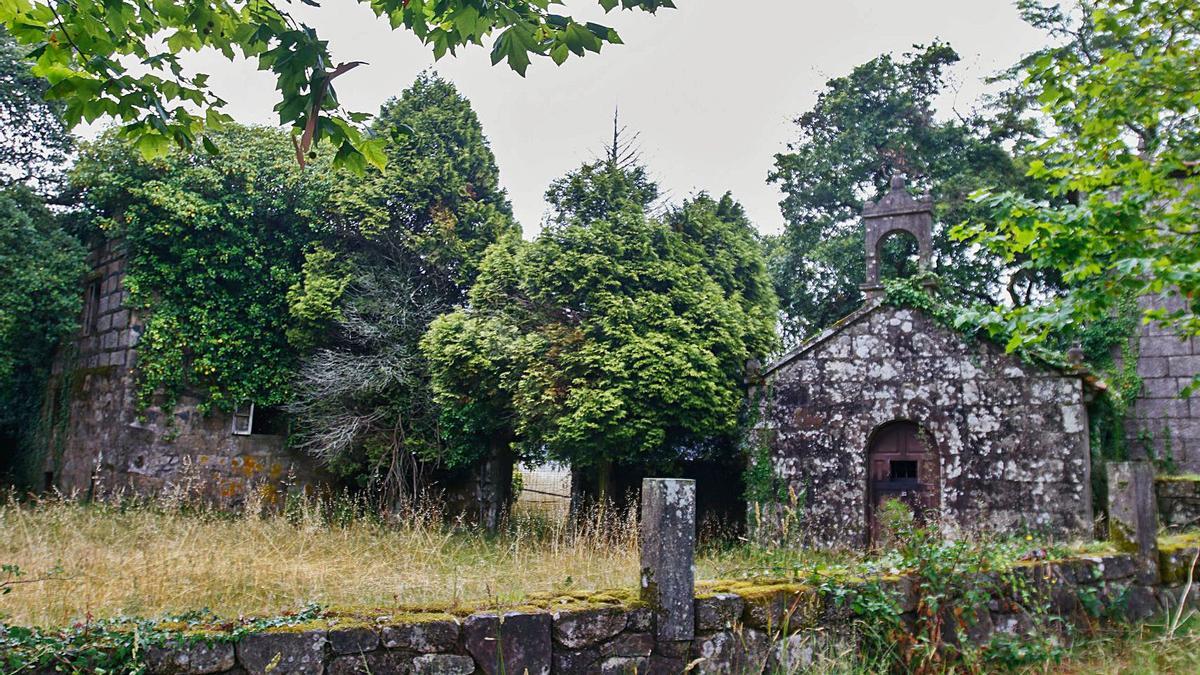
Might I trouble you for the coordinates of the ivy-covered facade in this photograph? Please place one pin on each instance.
(104, 438)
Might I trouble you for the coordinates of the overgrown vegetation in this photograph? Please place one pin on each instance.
(41, 263)
(214, 242)
(94, 575)
(617, 335)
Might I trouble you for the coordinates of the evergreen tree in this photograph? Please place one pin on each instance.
(612, 337)
(409, 243)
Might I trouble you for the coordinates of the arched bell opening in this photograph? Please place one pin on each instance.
(899, 255)
(902, 464)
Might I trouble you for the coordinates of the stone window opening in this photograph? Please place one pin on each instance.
(243, 419)
(269, 421)
(91, 308)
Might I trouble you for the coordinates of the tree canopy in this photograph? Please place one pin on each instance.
(122, 58)
(442, 211)
(876, 122)
(33, 138)
(613, 336)
(1122, 155)
(407, 246)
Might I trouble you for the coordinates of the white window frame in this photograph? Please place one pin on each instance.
(243, 411)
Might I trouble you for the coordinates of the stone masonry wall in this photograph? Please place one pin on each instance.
(739, 628)
(99, 441)
(1178, 502)
(1161, 422)
(1012, 438)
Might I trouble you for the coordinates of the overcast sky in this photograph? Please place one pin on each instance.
(712, 86)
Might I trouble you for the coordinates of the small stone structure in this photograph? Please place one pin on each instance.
(891, 402)
(1178, 502)
(1133, 515)
(668, 547)
(99, 442)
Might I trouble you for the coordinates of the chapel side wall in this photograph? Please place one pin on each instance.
(1013, 439)
(100, 443)
(1162, 423)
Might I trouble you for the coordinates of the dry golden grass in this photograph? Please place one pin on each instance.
(151, 559)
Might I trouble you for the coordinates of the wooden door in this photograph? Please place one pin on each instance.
(902, 464)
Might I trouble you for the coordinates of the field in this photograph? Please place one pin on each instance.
(149, 559)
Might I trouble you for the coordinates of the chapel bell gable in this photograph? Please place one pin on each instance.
(897, 211)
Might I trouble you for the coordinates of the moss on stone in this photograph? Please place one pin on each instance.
(1176, 555)
(1179, 542)
(1180, 478)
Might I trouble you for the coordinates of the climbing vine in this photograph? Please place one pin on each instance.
(215, 242)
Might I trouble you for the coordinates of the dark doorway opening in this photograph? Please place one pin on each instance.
(902, 464)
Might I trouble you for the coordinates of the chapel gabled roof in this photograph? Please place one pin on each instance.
(1036, 357)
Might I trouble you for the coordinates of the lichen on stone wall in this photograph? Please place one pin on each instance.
(1010, 436)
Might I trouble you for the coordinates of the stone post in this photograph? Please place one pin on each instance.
(1133, 515)
(668, 544)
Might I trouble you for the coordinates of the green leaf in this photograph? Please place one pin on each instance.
(153, 145)
(372, 151)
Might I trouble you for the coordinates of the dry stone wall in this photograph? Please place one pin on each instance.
(1011, 437)
(1178, 502)
(740, 627)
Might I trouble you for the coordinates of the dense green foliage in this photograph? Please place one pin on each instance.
(40, 269)
(215, 243)
(121, 58)
(408, 244)
(442, 205)
(867, 126)
(612, 337)
(40, 264)
(1122, 156)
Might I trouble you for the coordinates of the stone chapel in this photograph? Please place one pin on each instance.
(891, 403)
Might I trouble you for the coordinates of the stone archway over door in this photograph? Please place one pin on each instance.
(902, 463)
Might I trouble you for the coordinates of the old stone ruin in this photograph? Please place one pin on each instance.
(100, 441)
(892, 402)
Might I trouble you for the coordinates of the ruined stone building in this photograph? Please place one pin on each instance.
(100, 441)
(891, 402)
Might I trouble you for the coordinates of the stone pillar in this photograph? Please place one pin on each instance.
(1133, 515)
(668, 546)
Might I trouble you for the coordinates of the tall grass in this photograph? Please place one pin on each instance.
(149, 558)
(171, 555)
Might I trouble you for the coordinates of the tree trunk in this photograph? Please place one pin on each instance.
(493, 486)
(591, 488)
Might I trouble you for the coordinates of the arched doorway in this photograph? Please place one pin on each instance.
(902, 463)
